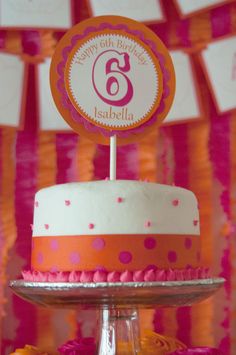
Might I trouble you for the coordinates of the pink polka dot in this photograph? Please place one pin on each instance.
(46, 226)
(175, 202)
(40, 258)
(195, 222)
(119, 199)
(125, 257)
(74, 257)
(91, 225)
(36, 204)
(98, 243)
(172, 256)
(54, 245)
(67, 202)
(149, 243)
(188, 243)
(54, 269)
(147, 224)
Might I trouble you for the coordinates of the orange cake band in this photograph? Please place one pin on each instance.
(114, 252)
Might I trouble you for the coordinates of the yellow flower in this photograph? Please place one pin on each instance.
(28, 350)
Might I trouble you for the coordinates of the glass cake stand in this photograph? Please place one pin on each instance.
(118, 304)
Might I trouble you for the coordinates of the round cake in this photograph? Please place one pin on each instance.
(115, 226)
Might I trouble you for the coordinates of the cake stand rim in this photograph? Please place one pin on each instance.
(120, 295)
(106, 285)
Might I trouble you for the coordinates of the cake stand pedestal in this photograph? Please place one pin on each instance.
(118, 304)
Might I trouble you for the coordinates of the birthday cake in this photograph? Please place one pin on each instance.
(115, 231)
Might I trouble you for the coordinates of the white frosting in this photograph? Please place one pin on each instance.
(91, 208)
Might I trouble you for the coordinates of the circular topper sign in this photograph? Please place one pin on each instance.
(112, 76)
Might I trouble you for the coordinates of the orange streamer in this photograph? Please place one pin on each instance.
(200, 182)
(200, 179)
(200, 29)
(13, 42)
(147, 156)
(233, 211)
(46, 160)
(47, 170)
(48, 43)
(165, 171)
(85, 154)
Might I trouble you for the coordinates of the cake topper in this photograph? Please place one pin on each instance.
(112, 79)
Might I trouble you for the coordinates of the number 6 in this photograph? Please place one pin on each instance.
(117, 90)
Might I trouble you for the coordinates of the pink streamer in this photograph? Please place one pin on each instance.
(180, 142)
(219, 144)
(25, 188)
(220, 21)
(179, 134)
(162, 31)
(2, 291)
(31, 43)
(183, 33)
(164, 156)
(2, 39)
(127, 162)
(101, 162)
(1, 231)
(219, 147)
(158, 321)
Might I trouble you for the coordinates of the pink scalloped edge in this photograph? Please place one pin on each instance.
(77, 117)
(117, 276)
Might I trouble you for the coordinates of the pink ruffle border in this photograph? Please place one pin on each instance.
(76, 116)
(115, 276)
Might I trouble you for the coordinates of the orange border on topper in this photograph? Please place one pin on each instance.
(54, 76)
